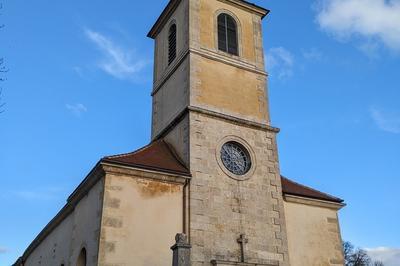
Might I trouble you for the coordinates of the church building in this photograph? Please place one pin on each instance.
(209, 183)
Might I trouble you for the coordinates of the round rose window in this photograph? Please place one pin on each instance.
(235, 158)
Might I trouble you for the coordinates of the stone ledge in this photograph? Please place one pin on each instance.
(228, 263)
(233, 119)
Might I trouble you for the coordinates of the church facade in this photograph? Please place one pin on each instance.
(211, 171)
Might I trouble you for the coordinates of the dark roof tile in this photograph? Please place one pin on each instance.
(292, 188)
(157, 156)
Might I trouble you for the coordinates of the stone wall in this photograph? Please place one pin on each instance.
(142, 213)
(227, 89)
(233, 85)
(209, 78)
(248, 28)
(313, 233)
(171, 82)
(180, 17)
(178, 138)
(171, 98)
(222, 208)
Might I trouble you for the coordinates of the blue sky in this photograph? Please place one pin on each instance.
(79, 88)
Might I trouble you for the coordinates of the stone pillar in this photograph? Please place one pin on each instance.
(181, 249)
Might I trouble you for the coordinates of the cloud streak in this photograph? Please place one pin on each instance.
(372, 20)
(386, 121)
(280, 62)
(77, 109)
(3, 250)
(313, 54)
(42, 194)
(389, 256)
(116, 61)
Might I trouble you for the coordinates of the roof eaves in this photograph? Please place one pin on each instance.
(169, 9)
(327, 197)
(313, 197)
(146, 167)
(264, 10)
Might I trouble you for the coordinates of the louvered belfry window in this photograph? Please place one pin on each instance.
(227, 34)
(172, 44)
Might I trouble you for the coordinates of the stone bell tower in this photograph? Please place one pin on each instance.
(210, 103)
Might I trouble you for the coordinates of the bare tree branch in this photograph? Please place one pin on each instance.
(1, 7)
(348, 250)
(360, 258)
(2, 104)
(357, 257)
(3, 70)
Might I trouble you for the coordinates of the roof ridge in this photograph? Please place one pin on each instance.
(174, 153)
(310, 188)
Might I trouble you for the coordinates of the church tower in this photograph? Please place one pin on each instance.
(210, 172)
(210, 103)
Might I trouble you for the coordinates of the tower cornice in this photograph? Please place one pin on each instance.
(217, 115)
(173, 4)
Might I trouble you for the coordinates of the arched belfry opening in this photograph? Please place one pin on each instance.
(82, 259)
(172, 44)
(227, 34)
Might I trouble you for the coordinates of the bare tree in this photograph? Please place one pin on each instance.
(357, 257)
(1, 102)
(360, 258)
(3, 70)
(1, 7)
(348, 250)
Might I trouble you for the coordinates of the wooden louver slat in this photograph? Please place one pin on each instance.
(172, 44)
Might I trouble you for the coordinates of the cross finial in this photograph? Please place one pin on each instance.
(242, 240)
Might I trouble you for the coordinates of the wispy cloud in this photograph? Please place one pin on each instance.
(280, 62)
(117, 61)
(389, 256)
(371, 20)
(313, 54)
(3, 250)
(40, 194)
(386, 121)
(78, 70)
(77, 109)
(370, 48)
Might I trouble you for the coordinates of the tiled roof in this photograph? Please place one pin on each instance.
(292, 188)
(157, 156)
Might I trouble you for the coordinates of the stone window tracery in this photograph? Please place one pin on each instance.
(235, 158)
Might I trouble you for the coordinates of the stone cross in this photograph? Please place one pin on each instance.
(242, 240)
(181, 249)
